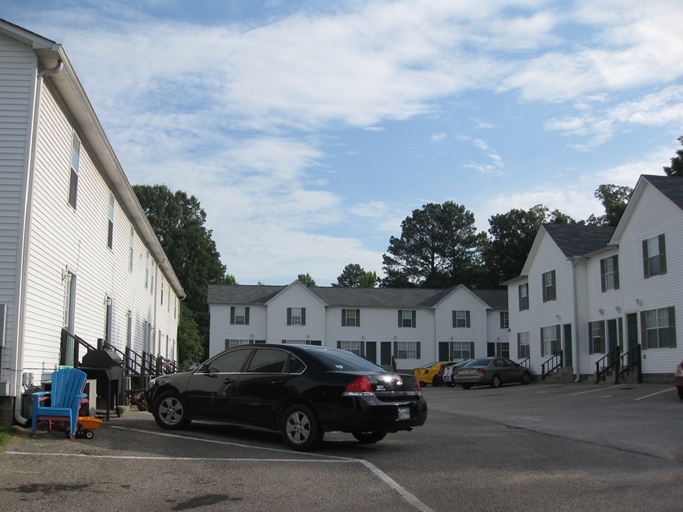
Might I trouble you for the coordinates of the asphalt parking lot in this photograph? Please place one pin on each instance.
(537, 447)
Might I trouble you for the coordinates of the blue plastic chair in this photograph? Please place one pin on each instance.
(66, 395)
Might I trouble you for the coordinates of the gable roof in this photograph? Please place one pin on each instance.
(576, 240)
(63, 80)
(351, 297)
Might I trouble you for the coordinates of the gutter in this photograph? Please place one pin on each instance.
(24, 240)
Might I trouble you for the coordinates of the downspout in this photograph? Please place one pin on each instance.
(575, 321)
(24, 244)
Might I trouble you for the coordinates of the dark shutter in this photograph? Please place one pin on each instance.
(646, 266)
(519, 346)
(662, 255)
(246, 316)
(338, 343)
(602, 337)
(467, 318)
(343, 318)
(303, 316)
(362, 349)
(455, 319)
(289, 316)
(395, 354)
(542, 345)
(358, 318)
(471, 349)
(400, 318)
(417, 349)
(414, 319)
(672, 327)
(590, 337)
(643, 331)
(616, 272)
(232, 315)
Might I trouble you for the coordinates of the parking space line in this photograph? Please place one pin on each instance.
(653, 394)
(595, 390)
(390, 482)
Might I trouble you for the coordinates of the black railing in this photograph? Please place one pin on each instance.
(526, 363)
(628, 362)
(77, 342)
(551, 365)
(609, 363)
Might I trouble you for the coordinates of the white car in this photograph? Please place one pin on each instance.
(448, 372)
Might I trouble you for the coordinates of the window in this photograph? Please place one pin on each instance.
(654, 256)
(350, 317)
(268, 361)
(75, 160)
(461, 319)
(162, 291)
(230, 343)
(523, 349)
(498, 349)
(609, 273)
(407, 318)
(357, 347)
(239, 315)
(231, 362)
(658, 328)
(523, 292)
(549, 287)
(407, 349)
(550, 340)
(296, 316)
(132, 244)
(504, 320)
(596, 337)
(462, 350)
(302, 342)
(110, 233)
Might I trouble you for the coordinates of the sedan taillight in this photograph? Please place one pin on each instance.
(360, 386)
(481, 370)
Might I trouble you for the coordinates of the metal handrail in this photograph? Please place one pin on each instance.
(629, 361)
(526, 363)
(609, 362)
(551, 364)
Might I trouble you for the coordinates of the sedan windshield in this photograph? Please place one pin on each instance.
(344, 361)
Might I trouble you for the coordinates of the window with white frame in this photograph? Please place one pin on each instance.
(498, 349)
(407, 349)
(239, 315)
(523, 348)
(549, 286)
(296, 316)
(550, 340)
(75, 162)
(110, 232)
(609, 273)
(230, 343)
(504, 320)
(523, 292)
(350, 318)
(654, 256)
(462, 350)
(407, 318)
(658, 328)
(596, 337)
(461, 319)
(131, 245)
(296, 342)
(357, 347)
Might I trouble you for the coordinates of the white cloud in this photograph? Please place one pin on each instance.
(438, 137)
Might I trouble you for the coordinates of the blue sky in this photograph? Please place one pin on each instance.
(309, 129)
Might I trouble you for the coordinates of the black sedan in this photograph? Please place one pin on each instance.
(302, 391)
(492, 371)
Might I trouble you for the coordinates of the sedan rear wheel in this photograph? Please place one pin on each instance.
(169, 412)
(369, 437)
(526, 378)
(300, 429)
(466, 386)
(495, 381)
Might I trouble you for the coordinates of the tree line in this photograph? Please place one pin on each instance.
(439, 247)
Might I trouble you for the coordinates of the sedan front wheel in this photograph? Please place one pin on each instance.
(169, 412)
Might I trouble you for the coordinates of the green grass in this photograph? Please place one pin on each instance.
(5, 434)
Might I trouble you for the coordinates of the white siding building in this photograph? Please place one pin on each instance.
(77, 253)
(597, 296)
(415, 326)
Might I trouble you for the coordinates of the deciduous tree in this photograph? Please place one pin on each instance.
(354, 276)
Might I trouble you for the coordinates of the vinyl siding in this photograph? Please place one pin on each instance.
(17, 76)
